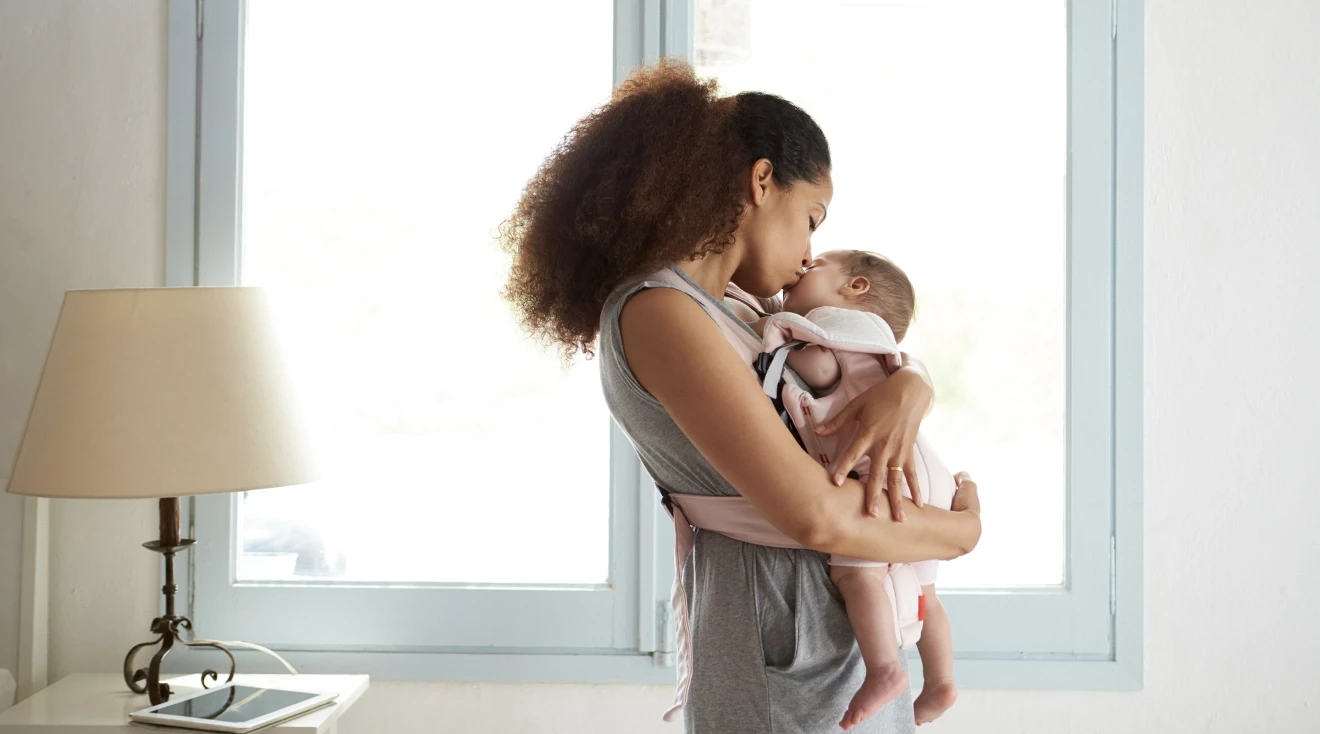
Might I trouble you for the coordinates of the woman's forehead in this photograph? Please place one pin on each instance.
(821, 191)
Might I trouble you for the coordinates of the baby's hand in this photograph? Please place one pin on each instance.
(759, 325)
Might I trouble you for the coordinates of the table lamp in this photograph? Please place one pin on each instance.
(163, 393)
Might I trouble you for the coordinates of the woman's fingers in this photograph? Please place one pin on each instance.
(875, 491)
(895, 493)
(843, 418)
(910, 473)
(885, 468)
(849, 458)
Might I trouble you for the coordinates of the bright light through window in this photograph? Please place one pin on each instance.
(383, 143)
(947, 121)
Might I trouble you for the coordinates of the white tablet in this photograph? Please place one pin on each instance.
(233, 708)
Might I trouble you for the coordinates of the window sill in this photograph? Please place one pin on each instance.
(1060, 673)
(456, 667)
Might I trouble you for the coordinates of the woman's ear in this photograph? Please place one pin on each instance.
(762, 180)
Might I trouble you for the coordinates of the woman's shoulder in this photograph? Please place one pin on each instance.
(673, 296)
(625, 297)
(645, 306)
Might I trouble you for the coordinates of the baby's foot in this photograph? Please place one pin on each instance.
(936, 698)
(881, 686)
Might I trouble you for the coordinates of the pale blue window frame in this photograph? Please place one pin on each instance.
(1085, 634)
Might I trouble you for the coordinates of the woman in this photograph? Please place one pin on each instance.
(651, 207)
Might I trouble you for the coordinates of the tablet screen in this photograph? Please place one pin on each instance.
(235, 704)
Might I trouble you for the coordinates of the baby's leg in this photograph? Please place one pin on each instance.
(936, 648)
(867, 604)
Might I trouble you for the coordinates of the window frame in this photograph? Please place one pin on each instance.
(1086, 634)
(603, 631)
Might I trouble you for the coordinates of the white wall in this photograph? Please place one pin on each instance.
(82, 185)
(1233, 219)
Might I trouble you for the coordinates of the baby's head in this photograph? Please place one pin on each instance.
(857, 280)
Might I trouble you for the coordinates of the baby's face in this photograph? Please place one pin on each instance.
(822, 285)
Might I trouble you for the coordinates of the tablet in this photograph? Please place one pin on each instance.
(232, 708)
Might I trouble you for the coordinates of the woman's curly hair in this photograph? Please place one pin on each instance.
(657, 175)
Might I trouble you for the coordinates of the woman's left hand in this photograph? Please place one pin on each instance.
(888, 416)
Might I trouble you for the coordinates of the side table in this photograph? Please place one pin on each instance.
(101, 703)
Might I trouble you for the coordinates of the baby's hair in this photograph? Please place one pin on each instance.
(891, 296)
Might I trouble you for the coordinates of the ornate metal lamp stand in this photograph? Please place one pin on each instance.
(147, 680)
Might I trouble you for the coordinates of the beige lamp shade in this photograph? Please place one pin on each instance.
(163, 392)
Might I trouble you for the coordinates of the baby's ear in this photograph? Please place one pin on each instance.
(858, 285)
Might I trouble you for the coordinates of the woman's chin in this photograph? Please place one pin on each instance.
(762, 290)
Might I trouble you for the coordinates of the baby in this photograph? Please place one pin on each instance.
(861, 281)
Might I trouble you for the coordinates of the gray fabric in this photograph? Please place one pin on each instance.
(773, 649)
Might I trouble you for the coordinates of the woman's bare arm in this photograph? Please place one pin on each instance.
(679, 355)
(914, 364)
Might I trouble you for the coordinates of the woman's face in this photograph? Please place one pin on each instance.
(776, 230)
(822, 285)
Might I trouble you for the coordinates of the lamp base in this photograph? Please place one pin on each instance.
(147, 680)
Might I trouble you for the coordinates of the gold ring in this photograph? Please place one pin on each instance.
(895, 468)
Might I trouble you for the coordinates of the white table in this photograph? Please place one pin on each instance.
(100, 704)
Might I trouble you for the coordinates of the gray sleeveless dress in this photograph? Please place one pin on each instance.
(772, 647)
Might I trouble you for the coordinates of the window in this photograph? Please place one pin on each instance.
(950, 123)
(957, 171)
(329, 151)
(361, 179)
(382, 257)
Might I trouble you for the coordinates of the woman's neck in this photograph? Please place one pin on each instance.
(713, 273)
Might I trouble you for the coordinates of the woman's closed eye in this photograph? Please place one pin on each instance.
(811, 223)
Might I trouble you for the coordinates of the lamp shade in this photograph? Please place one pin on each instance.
(163, 392)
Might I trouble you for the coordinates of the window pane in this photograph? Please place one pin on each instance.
(383, 144)
(947, 121)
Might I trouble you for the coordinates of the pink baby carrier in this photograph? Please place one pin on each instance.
(866, 351)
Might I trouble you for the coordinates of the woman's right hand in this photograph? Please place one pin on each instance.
(965, 498)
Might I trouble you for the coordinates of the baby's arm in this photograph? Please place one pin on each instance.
(815, 364)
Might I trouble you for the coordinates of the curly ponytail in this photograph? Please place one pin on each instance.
(652, 177)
